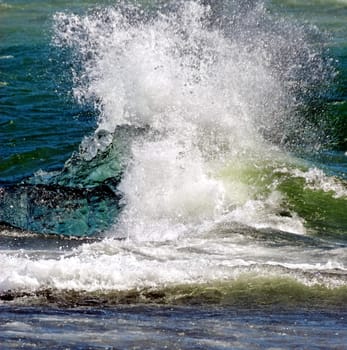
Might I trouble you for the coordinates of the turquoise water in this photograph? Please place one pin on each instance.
(174, 170)
(34, 94)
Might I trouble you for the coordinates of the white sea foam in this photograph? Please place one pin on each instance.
(4, 5)
(6, 57)
(114, 265)
(264, 214)
(315, 179)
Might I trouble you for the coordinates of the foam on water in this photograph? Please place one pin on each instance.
(316, 180)
(4, 5)
(113, 265)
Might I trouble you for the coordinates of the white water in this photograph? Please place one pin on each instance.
(207, 98)
(115, 265)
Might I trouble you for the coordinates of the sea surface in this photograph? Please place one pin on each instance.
(173, 174)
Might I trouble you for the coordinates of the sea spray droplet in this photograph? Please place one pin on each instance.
(213, 84)
(241, 73)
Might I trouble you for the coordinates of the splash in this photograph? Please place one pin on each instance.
(212, 86)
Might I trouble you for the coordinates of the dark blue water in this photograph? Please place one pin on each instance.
(175, 328)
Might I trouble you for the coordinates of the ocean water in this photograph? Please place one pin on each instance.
(173, 174)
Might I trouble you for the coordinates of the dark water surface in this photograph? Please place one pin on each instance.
(153, 327)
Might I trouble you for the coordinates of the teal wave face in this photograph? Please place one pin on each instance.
(49, 209)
